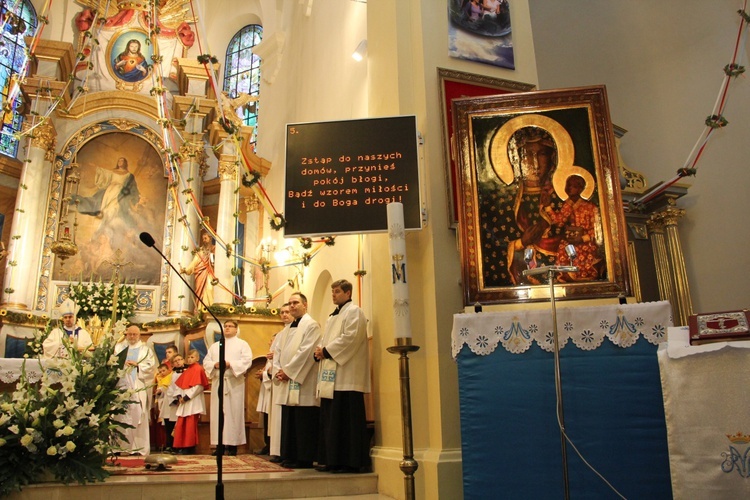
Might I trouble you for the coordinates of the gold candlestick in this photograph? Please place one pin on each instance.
(408, 465)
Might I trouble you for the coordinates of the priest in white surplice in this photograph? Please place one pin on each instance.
(293, 364)
(268, 398)
(139, 369)
(238, 357)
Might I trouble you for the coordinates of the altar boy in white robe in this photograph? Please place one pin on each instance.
(238, 357)
(293, 364)
(139, 369)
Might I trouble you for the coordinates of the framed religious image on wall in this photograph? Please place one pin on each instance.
(455, 85)
(122, 192)
(129, 54)
(537, 173)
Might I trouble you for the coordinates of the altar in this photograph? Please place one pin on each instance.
(613, 408)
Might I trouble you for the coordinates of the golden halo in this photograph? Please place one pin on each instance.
(499, 144)
(560, 177)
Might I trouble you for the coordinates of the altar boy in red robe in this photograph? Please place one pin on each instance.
(191, 385)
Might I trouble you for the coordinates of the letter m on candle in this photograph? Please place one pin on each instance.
(399, 271)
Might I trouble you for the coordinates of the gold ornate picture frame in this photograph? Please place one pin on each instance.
(129, 59)
(97, 151)
(537, 173)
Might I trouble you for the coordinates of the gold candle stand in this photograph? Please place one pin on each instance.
(408, 465)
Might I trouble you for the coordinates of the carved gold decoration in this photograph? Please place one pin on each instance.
(252, 203)
(123, 124)
(171, 13)
(635, 181)
(193, 151)
(228, 170)
(43, 136)
(111, 100)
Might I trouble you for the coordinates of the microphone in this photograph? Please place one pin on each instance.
(570, 250)
(148, 240)
(528, 256)
(548, 269)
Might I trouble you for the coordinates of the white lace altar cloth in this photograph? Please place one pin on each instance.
(10, 370)
(586, 327)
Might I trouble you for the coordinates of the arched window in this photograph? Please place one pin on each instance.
(18, 20)
(242, 72)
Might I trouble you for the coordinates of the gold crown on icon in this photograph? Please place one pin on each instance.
(739, 438)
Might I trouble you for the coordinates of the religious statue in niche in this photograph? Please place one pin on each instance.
(202, 267)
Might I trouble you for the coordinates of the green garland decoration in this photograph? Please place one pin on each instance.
(734, 69)
(250, 178)
(716, 121)
(207, 58)
(229, 127)
(277, 222)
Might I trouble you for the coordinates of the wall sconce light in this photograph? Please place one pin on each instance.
(361, 51)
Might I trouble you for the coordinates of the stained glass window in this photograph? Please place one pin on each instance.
(242, 72)
(18, 19)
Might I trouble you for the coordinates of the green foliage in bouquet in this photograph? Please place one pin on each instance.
(63, 424)
(95, 299)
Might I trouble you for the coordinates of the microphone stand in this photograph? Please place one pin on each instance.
(148, 240)
(550, 272)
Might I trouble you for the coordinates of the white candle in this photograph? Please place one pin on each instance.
(399, 277)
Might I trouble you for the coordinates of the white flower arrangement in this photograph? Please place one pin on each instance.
(66, 423)
(97, 299)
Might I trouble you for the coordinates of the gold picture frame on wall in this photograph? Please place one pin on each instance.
(537, 172)
(455, 85)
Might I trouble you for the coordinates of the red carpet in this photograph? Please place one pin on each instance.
(195, 464)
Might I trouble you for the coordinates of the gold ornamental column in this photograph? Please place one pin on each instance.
(663, 268)
(29, 217)
(683, 305)
(193, 168)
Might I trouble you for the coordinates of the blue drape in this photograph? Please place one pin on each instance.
(613, 411)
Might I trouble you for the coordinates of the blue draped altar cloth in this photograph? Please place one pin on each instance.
(613, 406)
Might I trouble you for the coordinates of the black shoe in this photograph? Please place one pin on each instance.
(275, 459)
(215, 452)
(262, 451)
(231, 451)
(289, 464)
(323, 468)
